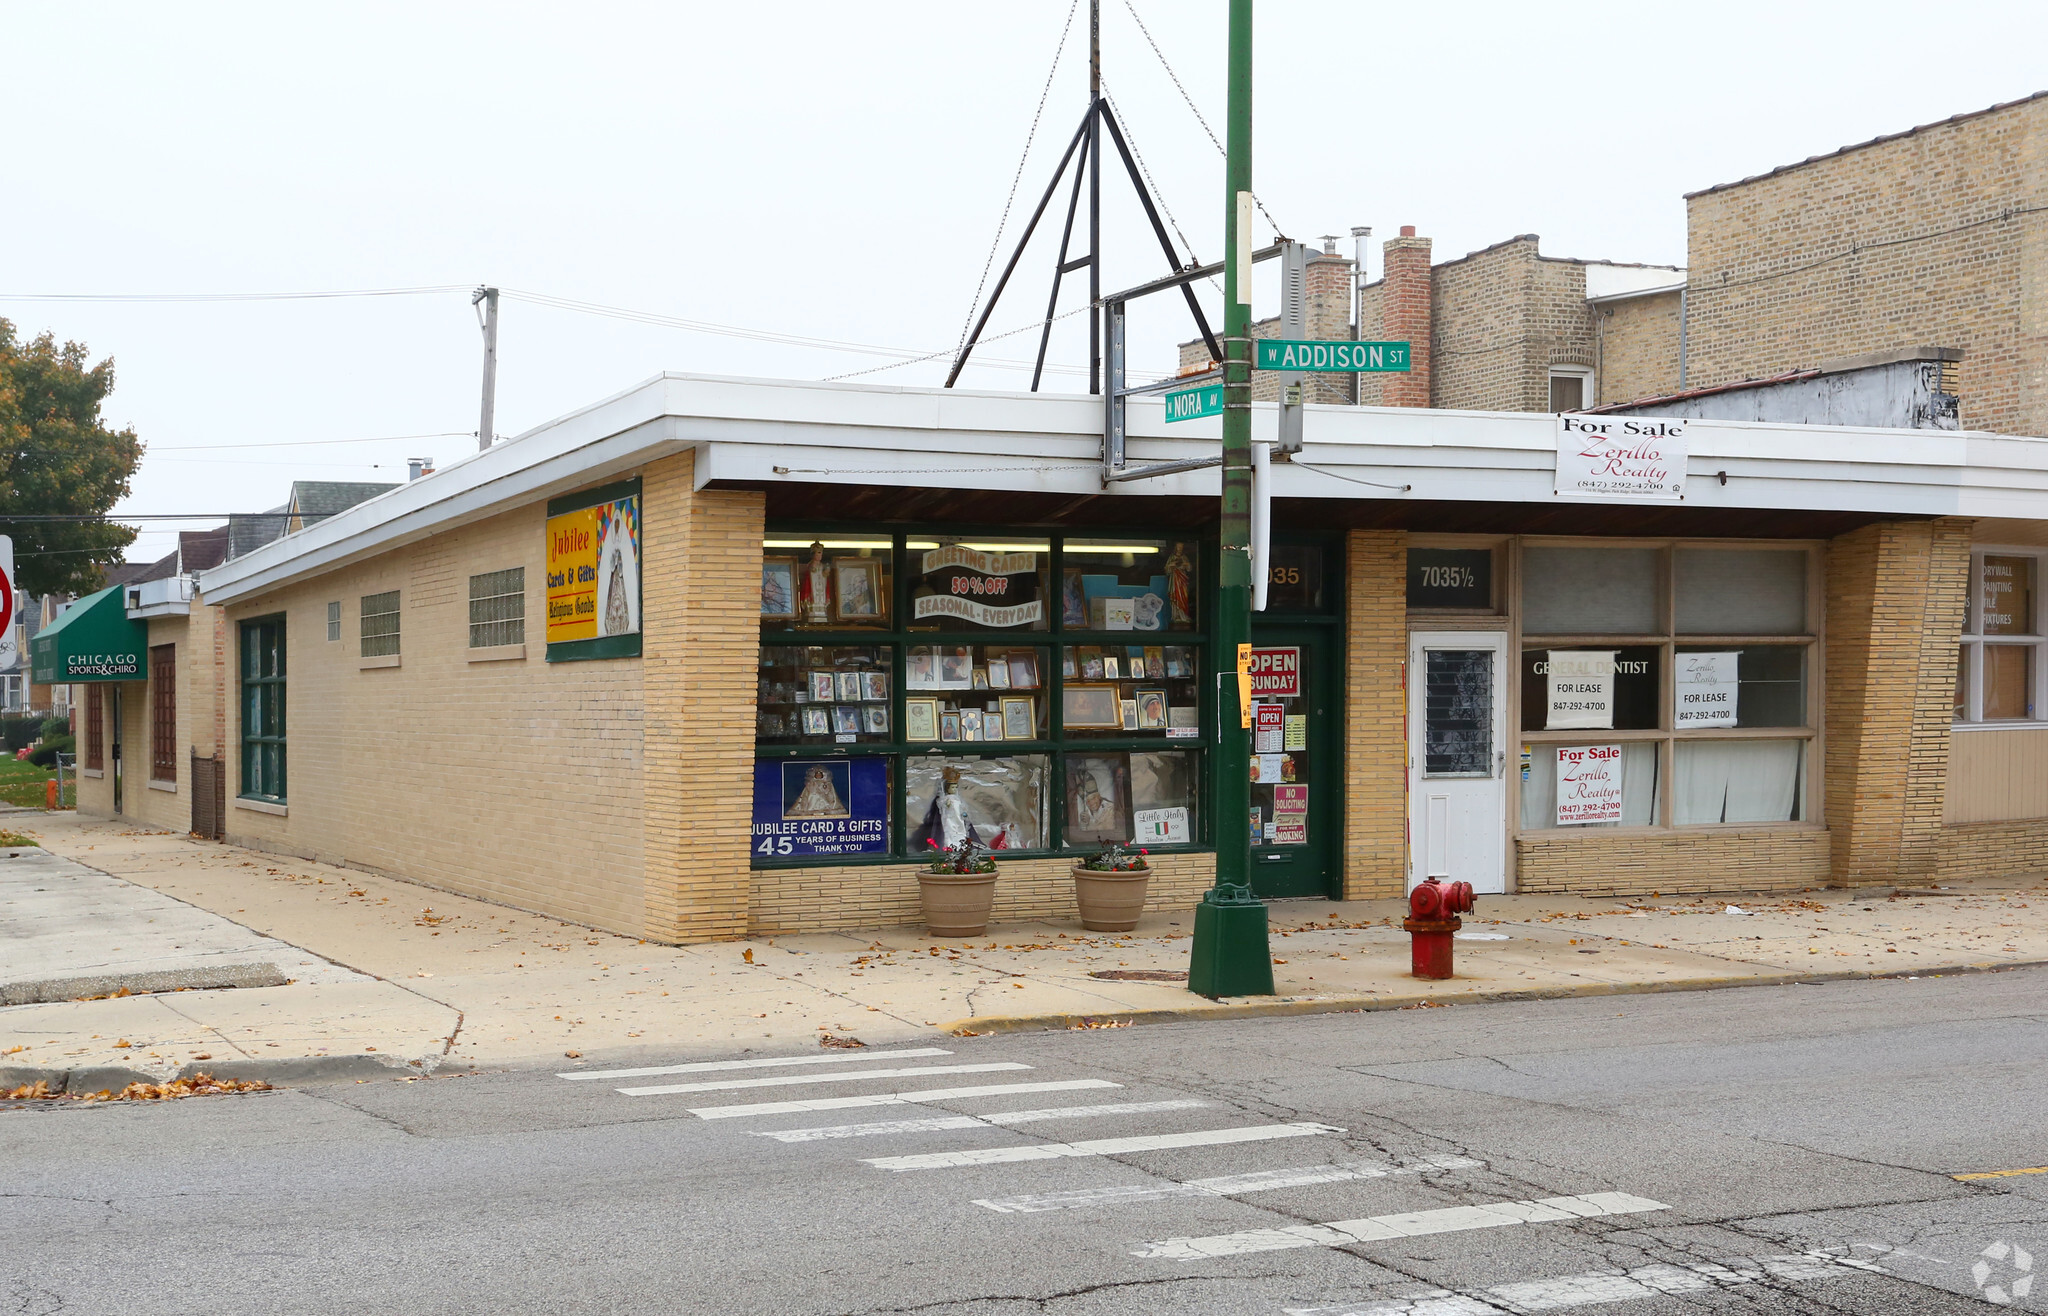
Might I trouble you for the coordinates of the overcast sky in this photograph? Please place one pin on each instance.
(822, 170)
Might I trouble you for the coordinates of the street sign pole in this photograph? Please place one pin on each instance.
(1230, 955)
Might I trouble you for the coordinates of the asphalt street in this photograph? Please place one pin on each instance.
(1755, 1150)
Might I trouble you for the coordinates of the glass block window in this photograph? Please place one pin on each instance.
(497, 608)
(380, 624)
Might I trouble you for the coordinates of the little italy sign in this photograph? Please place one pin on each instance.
(1620, 457)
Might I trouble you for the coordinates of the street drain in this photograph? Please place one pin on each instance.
(1142, 975)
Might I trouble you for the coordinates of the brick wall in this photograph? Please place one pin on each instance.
(1778, 859)
(1404, 307)
(791, 900)
(1375, 721)
(1329, 319)
(515, 781)
(1637, 348)
(1806, 264)
(1895, 598)
(702, 613)
(2000, 849)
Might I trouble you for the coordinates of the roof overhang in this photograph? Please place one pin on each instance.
(760, 432)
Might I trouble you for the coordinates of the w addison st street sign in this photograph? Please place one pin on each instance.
(1289, 354)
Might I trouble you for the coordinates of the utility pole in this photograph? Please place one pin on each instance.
(1094, 163)
(1231, 955)
(484, 429)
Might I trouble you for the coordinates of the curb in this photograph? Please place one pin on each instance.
(49, 991)
(293, 1071)
(974, 1026)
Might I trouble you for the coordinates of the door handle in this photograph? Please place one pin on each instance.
(1500, 762)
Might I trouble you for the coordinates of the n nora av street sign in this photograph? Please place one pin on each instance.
(1354, 357)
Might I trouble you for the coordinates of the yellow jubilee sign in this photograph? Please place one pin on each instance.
(594, 572)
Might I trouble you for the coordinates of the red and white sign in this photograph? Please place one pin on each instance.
(7, 646)
(1588, 784)
(1621, 457)
(1276, 673)
(1290, 815)
(1269, 728)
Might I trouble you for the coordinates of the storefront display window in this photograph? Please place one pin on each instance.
(979, 584)
(932, 688)
(1000, 801)
(832, 583)
(1674, 710)
(1999, 669)
(1128, 585)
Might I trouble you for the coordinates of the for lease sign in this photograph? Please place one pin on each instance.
(1621, 457)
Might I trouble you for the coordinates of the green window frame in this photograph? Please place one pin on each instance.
(262, 696)
(1053, 741)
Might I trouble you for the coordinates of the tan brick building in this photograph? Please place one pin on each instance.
(718, 657)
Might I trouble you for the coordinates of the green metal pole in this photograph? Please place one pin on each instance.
(1231, 955)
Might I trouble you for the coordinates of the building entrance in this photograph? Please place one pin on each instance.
(1457, 783)
(1295, 802)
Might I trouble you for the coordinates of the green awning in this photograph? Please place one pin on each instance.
(93, 641)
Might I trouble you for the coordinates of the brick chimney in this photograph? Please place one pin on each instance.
(1405, 317)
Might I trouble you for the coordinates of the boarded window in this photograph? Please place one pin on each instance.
(497, 608)
(380, 624)
(163, 712)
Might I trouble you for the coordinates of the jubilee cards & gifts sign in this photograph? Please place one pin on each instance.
(593, 573)
(1705, 691)
(821, 806)
(1621, 457)
(1588, 784)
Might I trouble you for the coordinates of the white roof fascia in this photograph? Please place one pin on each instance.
(774, 431)
(1607, 282)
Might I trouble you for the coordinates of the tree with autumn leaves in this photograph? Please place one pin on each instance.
(58, 458)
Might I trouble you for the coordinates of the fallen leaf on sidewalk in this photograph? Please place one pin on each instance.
(840, 1043)
(198, 1085)
(747, 955)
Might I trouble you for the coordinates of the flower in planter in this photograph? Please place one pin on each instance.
(1116, 859)
(970, 856)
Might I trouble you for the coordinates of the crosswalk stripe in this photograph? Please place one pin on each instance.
(1098, 1147)
(1599, 1287)
(1411, 1224)
(940, 1123)
(790, 1080)
(709, 1066)
(896, 1098)
(1228, 1185)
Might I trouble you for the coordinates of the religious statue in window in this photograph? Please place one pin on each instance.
(816, 588)
(1180, 586)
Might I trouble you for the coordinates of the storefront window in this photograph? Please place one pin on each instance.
(1998, 669)
(1142, 799)
(830, 583)
(823, 694)
(1129, 690)
(1294, 578)
(974, 693)
(1000, 801)
(1128, 585)
(1673, 707)
(979, 584)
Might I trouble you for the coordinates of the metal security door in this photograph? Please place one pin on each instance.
(1457, 758)
(1295, 783)
(114, 746)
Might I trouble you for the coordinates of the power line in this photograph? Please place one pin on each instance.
(1857, 248)
(227, 296)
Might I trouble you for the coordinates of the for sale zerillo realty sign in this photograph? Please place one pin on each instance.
(1621, 457)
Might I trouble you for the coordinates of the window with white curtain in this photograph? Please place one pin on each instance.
(1682, 669)
(1998, 661)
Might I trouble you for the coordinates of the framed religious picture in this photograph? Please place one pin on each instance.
(949, 726)
(847, 686)
(1067, 668)
(874, 719)
(956, 667)
(817, 720)
(920, 719)
(874, 685)
(1090, 707)
(1134, 664)
(822, 688)
(1155, 663)
(1185, 717)
(845, 720)
(998, 671)
(1129, 709)
(1151, 710)
(857, 588)
(970, 724)
(992, 726)
(1091, 663)
(1111, 669)
(981, 681)
(921, 671)
(1024, 669)
(778, 589)
(1097, 800)
(1177, 661)
(1020, 718)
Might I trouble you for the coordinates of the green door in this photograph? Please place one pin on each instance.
(1295, 787)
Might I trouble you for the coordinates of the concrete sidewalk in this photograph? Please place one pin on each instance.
(390, 975)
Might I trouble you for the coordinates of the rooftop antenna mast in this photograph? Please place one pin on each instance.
(1086, 144)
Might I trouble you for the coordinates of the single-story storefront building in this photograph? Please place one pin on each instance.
(719, 657)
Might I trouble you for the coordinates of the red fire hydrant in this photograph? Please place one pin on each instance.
(1433, 910)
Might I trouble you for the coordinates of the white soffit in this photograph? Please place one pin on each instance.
(1609, 281)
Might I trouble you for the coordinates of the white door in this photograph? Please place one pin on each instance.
(1457, 758)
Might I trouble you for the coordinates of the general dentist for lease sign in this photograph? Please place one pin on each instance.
(1620, 457)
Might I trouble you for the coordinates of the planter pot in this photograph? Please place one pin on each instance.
(1110, 902)
(956, 904)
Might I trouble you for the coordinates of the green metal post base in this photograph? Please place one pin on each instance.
(1231, 955)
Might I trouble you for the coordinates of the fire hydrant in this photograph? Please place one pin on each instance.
(1433, 910)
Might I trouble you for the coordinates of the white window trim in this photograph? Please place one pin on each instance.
(1973, 641)
(1588, 394)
